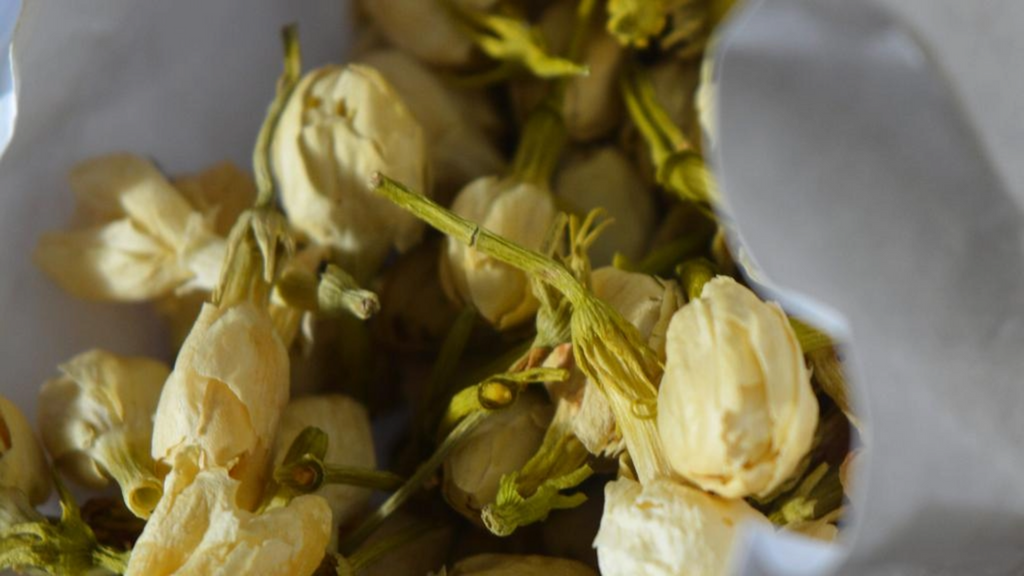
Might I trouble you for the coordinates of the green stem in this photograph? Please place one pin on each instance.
(415, 482)
(694, 274)
(811, 339)
(471, 234)
(435, 395)
(285, 85)
(362, 477)
(367, 555)
(541, 144)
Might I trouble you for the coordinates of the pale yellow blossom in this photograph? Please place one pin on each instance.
(736, 412)
(97, 421)
(666, 529)
(225, 395)
(137, 237)
(339, 127)
(199, 529)
(519, 211)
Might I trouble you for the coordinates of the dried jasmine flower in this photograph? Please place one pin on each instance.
(137, 237)
(199, 528)
(97, 422)
(426, 30)
(736, 410)
(502, 444)
(604, 178)
(665, 528)
(460, 149)
(339, 124)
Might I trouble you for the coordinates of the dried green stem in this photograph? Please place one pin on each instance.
(285, 85)
(415, 482)
(694, 274)
(471, 234)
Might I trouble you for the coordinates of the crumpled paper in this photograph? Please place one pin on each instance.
(862, 191)
(856, 183)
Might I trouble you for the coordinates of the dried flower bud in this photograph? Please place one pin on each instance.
(606, 179)
(648, 304)
(736, 412)
(591, 106)
(675, 87)
(97, 423)
(340, 125)
(425, 29)
(22, 464)
(664, 528)
(138, 237)
(519, 211)
(225, 395)
(516, 565)
(350, 443)
(502, 444)
(460, 150)
(197, 529)
(428, 551)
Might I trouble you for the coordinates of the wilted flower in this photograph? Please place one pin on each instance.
(516, 565)
(502, 444)
(664, 528)
(97, 422)
(606, 179)
(22, 464)
(16, 509)
(350, 443)
(460, 150)
(137, 237)
(517, 210)
(736, 412)
(340, 125)
(425, 29)
(648, 304)
(225, 395)
(199, 529)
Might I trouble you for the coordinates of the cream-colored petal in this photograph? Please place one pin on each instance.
(667, 529)
(115, 262)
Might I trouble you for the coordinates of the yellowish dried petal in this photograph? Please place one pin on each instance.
(425, 29)
(350, 443)
(605, 178)
(516, 565)
(97, 423)
(340, 126)
(225, 395)
(137, 237)
(821, 529)
(22, 464)
(199, 530)
(499, 446)
(459, 149)
(221, 192)
(664, 528)
(519, 211)
(736, 412)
